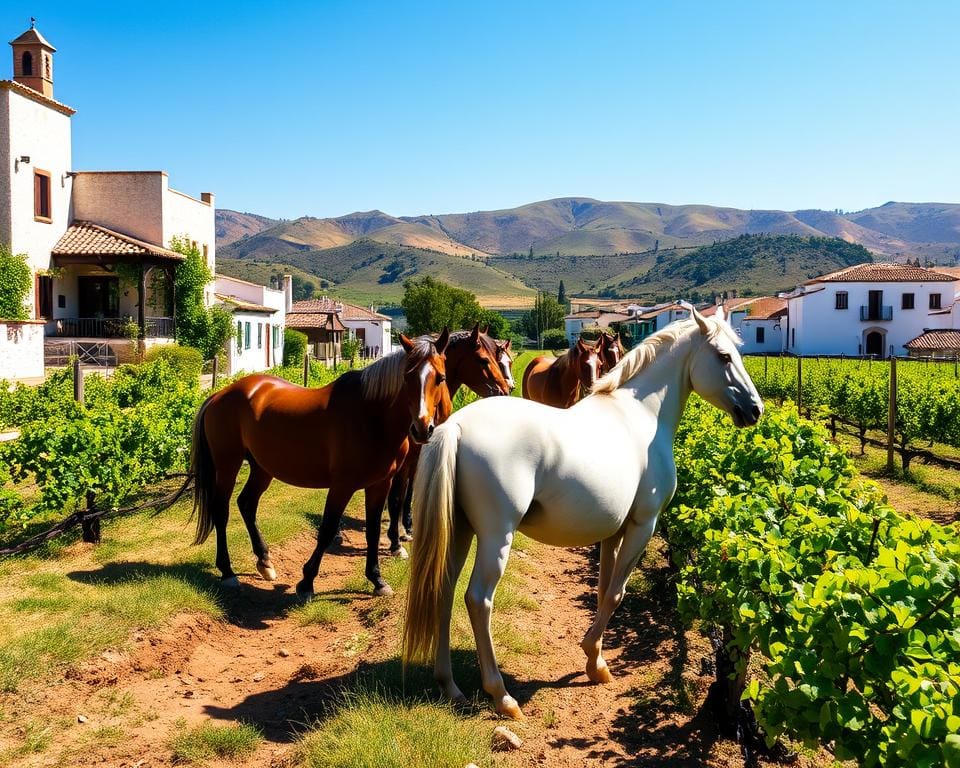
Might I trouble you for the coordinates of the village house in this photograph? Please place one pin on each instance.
(758, 321)
(325, 321)
(258, 314)
(98, 242)
(867, 309)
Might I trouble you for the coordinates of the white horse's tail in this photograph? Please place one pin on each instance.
(433, 506)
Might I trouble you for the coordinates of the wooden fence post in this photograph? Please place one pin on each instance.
(213, 379)
(765, 358)
(90, 528)
(799, 383)
(891, 413)
(306, 369)
(77, 381)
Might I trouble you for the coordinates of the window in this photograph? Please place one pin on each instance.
(842, 300)
(41, 196)
(760, 334)
(246, 335)
(259, 335)
(46, 62)
(44, 297)
(239, 336)
(934, 301)
(907, 301)
(26, 63)
(793, 337)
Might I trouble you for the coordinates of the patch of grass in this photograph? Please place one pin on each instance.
(549, 718)
(354, 645)
(207, 741)
(374, 730)
(321, 610)
(395, 572)
(106, 735)
(508, 638)
(36, 738)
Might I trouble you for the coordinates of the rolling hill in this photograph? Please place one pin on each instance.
(590, 244)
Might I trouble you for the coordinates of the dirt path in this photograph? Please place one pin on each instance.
(262, 667)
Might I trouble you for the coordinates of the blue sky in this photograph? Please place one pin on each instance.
(323, 108)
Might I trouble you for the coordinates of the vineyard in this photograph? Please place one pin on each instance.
(833, 618)
(856, 393)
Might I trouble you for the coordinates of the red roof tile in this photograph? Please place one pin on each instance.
(883, 273)
(312, 320)
(326, 304)
(84, 238)
(938, 338)
(244, 306)
(766, 307)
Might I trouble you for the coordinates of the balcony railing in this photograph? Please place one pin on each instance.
(109, 327)
(876, 314)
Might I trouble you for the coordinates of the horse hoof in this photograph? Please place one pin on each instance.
(230, 582)
(304, 593)
(385, 591)
(399, 552)
(266, 570)
(601, 675)
(509, 708)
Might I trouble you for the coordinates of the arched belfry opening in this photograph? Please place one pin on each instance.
(26, 63)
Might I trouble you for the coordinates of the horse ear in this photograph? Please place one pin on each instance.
(721, 314)
(506, 346)
(406, 343)
(701, 321)
(485, 329)
(475, 335)
(441, 342)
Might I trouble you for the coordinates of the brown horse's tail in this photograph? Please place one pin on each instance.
(204, 476)
(433, 497)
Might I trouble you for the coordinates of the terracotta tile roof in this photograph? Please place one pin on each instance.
(883, 273)
(938, 338)
(659, 311)
(952, 271)
(23, 90)
(244, 306)
(315, 320)
(584, 314)
(84, 238)
(730, 305)
(346, 311)
(766, 307)
(33, 35)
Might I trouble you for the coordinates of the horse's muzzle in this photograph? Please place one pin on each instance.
(421, 434)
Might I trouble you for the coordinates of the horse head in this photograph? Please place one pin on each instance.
(586, 361)
(717, 372)
(505, 360)
(424, 386)
(473, 361)
(611, 351)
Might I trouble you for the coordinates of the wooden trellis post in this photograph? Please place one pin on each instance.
(799, 382)
(891, 413)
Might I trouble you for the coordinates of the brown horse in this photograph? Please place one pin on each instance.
(611, 352)
(474, 360)
(345, 436)
(559, 381)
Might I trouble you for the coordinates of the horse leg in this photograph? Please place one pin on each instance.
(220, 508)
(492, 555)
(394, 510)
(608, 554)
(408, 509)
(374, 498)
(635, 538)
(248, 501)
(443, 668)
(337, 499)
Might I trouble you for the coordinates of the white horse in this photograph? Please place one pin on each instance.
(602, 470)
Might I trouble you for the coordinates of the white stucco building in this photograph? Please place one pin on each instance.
(258, 316)
(867, 309)
(758, 321)
(98, 243)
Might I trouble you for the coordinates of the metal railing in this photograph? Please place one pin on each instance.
(876, 314)
(59, 353)
(109, 327)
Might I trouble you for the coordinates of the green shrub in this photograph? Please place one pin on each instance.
(15, 280)
(185, 361)
(555, 338)
(350, 348)
(294, 346)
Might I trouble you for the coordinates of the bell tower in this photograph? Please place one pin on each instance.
(33, 61)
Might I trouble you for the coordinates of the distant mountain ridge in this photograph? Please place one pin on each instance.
(590, 244)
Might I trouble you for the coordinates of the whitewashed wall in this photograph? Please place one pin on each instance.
(21, 350)
(377, 334)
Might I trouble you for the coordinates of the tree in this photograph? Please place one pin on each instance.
(562, 295)
(432, 305)
(197, 326)
(546, 313)
(15, 280)
(497, 325)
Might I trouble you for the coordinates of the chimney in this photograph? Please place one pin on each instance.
(288, 292)
(207, 197)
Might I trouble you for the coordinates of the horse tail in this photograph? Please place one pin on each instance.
(204, 474)
(434, 504)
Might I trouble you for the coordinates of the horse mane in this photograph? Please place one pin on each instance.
(383, 379)
(646, 352)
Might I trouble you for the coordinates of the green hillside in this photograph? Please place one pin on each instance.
(260, 272)
(749, 264)
(367, 271)
(579, 273)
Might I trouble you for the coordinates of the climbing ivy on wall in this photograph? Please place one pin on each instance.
(15, 279)
(197, 326)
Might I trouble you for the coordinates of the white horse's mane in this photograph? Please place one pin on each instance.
(647, 351)
(383, 379)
